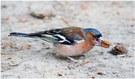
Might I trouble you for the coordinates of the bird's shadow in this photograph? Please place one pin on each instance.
(65, 58)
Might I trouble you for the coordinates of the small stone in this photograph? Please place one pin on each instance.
(9, 58)
(92, 77)
(59, 74)
(41, 15)
(3, 6)
(132, 25)
(99, 73)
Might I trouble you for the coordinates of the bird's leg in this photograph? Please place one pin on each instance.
(78, 61)
(74, 60)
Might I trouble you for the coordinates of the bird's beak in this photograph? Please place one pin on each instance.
(103, 43)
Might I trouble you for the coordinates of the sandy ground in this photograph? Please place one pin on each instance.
(35, 58)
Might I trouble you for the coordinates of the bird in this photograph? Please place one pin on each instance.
(69, 41)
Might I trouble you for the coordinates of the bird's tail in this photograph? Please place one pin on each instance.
(19, 34)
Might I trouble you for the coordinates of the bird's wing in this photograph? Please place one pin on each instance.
(74, 33)
(67, 36)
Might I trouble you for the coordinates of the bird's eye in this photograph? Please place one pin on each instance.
(94, 36)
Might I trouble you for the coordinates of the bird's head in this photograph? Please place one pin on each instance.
(94, 37)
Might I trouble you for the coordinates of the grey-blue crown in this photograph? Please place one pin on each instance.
(92, 30)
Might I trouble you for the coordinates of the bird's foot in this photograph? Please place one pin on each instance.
(78, 61)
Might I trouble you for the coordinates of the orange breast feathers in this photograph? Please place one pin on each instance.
(73, 50)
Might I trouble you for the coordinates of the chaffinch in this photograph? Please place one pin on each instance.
(69, 41)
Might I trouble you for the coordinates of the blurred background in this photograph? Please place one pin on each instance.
(33, 58)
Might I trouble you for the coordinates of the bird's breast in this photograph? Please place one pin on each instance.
(73, 50)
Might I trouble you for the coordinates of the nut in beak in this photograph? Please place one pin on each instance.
(105, 44)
